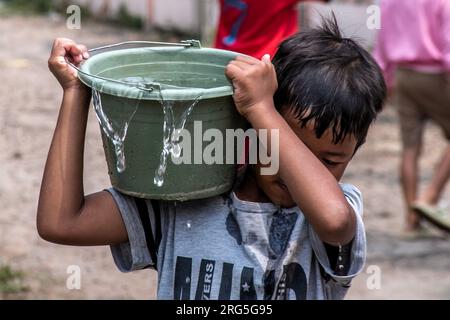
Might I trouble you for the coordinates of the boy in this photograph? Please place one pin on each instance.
(294, 235)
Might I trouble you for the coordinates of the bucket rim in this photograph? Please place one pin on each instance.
(115, 88)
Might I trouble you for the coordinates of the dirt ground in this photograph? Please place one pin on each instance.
(29, 102)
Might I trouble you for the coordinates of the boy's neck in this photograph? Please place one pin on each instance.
(248, 189)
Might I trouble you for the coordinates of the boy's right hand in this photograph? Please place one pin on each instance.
(254, 82)
(67, 50)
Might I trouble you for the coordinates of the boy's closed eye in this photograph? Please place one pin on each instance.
(330, 162)
(332, 159)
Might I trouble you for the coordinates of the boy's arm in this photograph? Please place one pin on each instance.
(64, 214)
(310, 184)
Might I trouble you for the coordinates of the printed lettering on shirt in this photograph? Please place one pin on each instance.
(292, 280)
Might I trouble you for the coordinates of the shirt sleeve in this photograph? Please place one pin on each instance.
(141, 223)
(355, 254)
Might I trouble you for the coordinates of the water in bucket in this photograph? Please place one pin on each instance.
(150, 95)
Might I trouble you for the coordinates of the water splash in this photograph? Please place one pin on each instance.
(115, 135)
(172, 129)
(172, 124)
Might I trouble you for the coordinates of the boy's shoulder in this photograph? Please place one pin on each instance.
(222, 199)
(204, 208)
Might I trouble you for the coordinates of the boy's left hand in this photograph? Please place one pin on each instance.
(254, 82)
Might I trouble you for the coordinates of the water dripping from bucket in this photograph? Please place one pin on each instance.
(172, 129)
(117, 136)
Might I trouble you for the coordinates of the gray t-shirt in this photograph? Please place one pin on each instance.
(225, 248)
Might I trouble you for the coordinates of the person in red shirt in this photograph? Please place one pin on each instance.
(255, 27)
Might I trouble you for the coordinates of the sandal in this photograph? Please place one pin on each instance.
(437, 216)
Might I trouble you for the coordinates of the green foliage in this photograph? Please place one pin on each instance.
(27, 7)
(126, 19)
(30, 7)
(11, 281)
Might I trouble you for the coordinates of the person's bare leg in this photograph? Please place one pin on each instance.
(441, 175)
(409, 172)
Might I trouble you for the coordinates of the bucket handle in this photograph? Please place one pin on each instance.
(146, 86)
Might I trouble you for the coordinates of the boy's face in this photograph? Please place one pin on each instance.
(335, 157)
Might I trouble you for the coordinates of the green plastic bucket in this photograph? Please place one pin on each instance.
(179, 76)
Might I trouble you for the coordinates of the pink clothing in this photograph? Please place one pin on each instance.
(415, 34)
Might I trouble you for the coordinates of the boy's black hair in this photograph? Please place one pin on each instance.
(330, 79)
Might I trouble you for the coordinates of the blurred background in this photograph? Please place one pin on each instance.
(31, 268)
